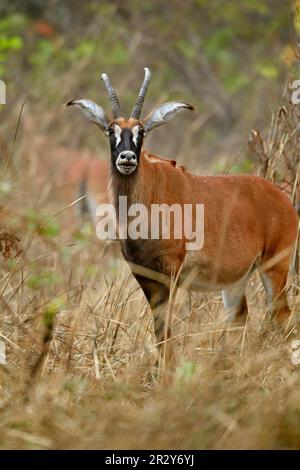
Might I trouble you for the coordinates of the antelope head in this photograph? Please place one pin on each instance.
(126, 135)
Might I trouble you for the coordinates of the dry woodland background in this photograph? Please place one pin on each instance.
(80, 348)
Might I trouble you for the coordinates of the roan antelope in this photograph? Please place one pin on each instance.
(88, 177)
(76, 174)
(67, 173)
(249, 223)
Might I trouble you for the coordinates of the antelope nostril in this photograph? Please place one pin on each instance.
(128, 156)
(126, 162)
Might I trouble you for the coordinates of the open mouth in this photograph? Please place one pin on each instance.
(126, 168)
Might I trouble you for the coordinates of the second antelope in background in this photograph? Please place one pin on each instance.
(249, 223)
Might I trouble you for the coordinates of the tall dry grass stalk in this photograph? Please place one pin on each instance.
(80, 370)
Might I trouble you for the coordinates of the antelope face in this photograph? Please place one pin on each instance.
(126, 135)
(126, 139)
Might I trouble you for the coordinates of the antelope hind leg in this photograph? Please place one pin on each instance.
(236, 312)
(274, 281)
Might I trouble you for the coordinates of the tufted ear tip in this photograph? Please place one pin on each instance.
(164, 113)
(190, 107)
(91, 111)
(68, 103)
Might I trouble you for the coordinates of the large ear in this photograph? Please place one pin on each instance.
(163, 114)
(92, 112)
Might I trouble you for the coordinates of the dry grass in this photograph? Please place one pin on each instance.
(80, 348)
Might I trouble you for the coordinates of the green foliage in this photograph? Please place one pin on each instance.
(39, 223)
(8, 44)
(44, 278)
(75, 385)
(52, 309)
(11, 41)
(185, 372)
(45, 51)
(243, 167)
(50, 229)
(85, 232)
(233, 82)
(213, 54)
(90, 47)
(267, 70)
(11, 264)
(219, 42)
(85, 49)
(186, 49)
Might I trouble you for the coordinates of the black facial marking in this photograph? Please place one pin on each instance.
(126, 143)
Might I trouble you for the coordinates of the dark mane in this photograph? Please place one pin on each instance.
(158, 159)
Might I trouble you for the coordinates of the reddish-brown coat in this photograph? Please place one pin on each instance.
(246, 217)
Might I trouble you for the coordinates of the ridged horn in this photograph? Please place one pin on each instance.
(136, 112)
(115, 105)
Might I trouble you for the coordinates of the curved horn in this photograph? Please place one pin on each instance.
(116, 110)
(136, 112)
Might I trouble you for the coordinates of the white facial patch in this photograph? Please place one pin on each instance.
(118, 131)
(126, 162)
(135, 134)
